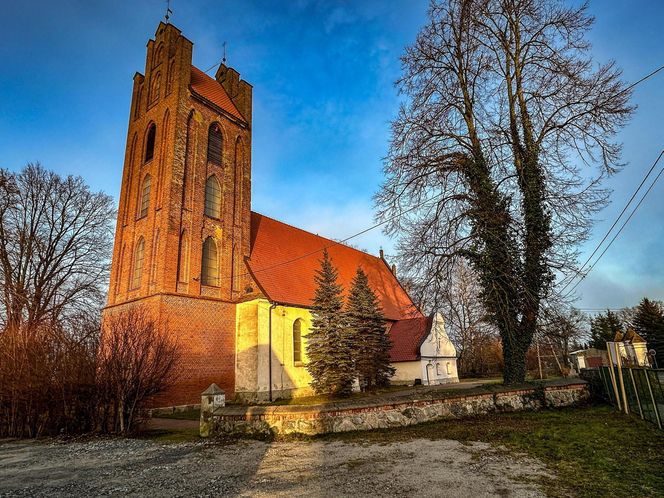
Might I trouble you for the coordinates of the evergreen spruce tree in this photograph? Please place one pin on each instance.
(603, 328)
(370, 342)
(328, 343)
(649, 324)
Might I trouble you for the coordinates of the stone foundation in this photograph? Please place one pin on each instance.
(322, 419)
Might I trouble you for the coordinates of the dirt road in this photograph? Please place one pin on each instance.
(121, 467)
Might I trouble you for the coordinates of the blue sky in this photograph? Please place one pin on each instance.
(323, 76)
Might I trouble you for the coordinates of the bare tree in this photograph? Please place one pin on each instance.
(47, 380)
(137, 361)
(561, 328)
(505, 106)
(466, 320)
(55, 242)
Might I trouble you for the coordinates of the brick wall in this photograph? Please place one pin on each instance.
(203, 318)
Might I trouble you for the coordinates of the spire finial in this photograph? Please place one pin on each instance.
(168, 11)
(223, 61)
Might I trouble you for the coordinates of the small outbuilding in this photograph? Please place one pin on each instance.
(422, 351)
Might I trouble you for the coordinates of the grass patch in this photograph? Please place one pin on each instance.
(595, 451)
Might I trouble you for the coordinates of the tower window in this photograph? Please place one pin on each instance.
(145, 196)
(297, 341)
(139, 257)
(149, 142)
(214, 145)
(212, 197)
(210, 263)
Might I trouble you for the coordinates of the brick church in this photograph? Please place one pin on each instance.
(233, 286)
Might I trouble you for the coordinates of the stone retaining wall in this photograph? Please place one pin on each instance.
(311, 420)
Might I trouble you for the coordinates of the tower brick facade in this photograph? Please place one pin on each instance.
(162, 223)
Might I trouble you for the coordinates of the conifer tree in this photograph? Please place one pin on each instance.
(649, 324)
(370, 342)
(328, 343)
(603, 329)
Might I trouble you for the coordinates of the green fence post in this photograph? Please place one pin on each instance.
(654, 402)
(636, 392)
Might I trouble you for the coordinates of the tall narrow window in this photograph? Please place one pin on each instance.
(139, 256)
(212, 197)
(149, 142)
(448, 368)
(145, 197)
(214, 145)
(297, 341)
(210, 264)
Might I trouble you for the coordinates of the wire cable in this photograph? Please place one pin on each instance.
(606, 235)
(618, 232)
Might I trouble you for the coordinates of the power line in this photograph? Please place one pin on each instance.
(606, 235)
(641, 80)
(578, 272)
(435, 198)
(343, 241)
(618, 232)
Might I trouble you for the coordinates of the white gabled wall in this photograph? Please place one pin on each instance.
(438, 357)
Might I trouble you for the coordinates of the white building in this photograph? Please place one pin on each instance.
(423, 350)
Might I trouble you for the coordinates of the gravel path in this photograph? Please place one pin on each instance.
(121, 467)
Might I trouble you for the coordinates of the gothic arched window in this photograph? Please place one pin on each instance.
(139, 257)
(149, 142)
(297, 341)
(145, 196)
(214, 144)
(210, 263)
(212, 197)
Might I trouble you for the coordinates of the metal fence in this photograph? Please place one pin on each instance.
(636, 390)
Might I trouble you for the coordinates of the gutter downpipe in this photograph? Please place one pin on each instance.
(269, 352)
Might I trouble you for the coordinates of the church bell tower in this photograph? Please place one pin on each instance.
(183, 227)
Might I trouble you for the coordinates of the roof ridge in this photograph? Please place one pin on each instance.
(210, 80)
(334, 242)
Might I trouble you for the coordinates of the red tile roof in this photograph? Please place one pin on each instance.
(407, 337)
(210, 89)
(284, 260)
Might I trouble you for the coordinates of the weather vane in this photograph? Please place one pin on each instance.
(168, 10)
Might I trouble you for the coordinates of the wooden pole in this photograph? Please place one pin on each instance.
(612, 375)
(620, 377)
(539, 361)
(560, 368)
